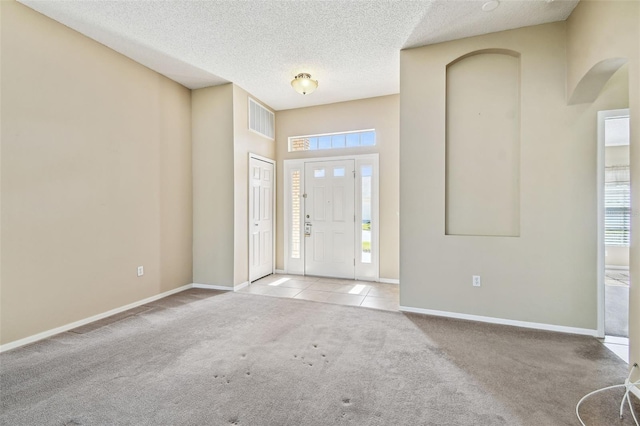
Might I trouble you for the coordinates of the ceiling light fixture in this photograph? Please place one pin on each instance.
(303, 84)
(490, 5)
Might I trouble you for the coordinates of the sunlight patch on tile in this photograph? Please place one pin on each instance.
(357, 289)
(280, 281)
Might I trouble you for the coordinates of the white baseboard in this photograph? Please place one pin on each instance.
(76, 324)
(616, 267)
(278, 271)
(389, 281)
(240, 286)
(635, 391)
(212, 287)
(492, 320)
(617, 340)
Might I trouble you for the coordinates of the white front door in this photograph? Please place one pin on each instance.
(260, 218)
(329, 218)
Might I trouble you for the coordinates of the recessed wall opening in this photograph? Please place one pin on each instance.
(483, 155)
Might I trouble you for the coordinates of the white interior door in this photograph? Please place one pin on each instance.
(261, 175)
(329, 218)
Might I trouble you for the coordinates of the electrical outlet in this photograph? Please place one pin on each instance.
(140, 271)
(476, 280)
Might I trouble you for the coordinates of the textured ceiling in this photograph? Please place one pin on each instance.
(350, 47)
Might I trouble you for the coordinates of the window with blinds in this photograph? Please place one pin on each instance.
(617, 206)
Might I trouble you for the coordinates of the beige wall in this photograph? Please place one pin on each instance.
(96, 177)
(245, 142)
(221, 146)
(212, 138)
(548, 273)
(375, 113)
(597, 31)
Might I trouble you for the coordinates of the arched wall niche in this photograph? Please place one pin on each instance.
(495, 51)
(482, 178)
(591, 84)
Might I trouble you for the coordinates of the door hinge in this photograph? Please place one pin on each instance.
(354, 262)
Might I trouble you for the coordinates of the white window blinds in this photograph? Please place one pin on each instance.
(617, 206)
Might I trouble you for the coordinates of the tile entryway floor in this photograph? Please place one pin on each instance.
(328, 290)
(616, 300)
(616, 317)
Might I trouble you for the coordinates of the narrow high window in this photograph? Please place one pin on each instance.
(355, 139)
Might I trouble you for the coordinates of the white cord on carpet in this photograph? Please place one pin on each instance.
(627, 384)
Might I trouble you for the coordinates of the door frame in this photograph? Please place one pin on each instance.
(296, 266)
(602, 116)
(253, 156)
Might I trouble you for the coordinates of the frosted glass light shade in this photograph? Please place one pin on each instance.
(303, 84)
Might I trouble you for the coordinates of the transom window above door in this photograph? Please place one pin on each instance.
(354, 139)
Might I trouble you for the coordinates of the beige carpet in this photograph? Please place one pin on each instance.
(209, 358)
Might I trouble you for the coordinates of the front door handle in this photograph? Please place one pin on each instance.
(307, 229)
